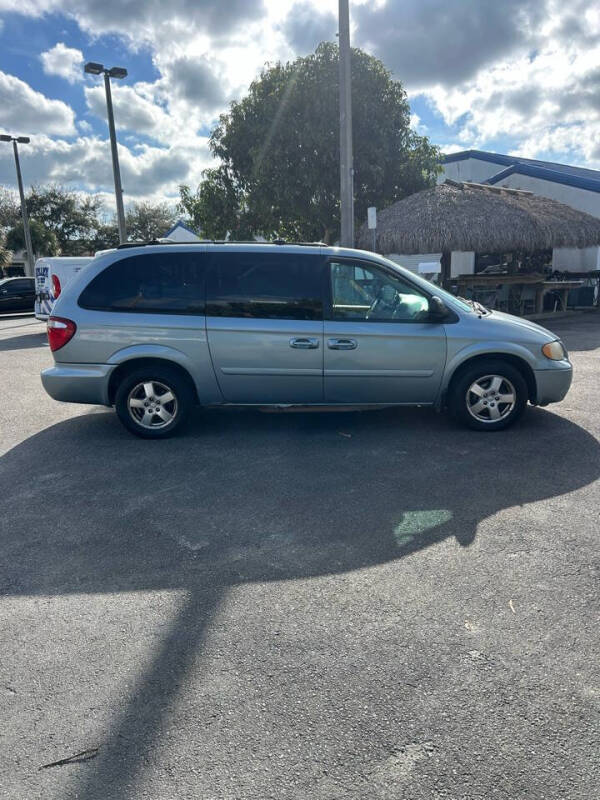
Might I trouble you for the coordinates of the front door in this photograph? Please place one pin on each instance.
(379, 345)
(16, 295)
(264, 320)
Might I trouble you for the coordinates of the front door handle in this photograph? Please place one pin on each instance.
(304, 343)
(342, 344)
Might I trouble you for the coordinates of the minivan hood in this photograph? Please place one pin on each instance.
(518, 322)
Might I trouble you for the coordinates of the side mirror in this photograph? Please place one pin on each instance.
(438, 310)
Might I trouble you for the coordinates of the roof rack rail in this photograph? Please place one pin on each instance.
(297, 244)
(126, 245)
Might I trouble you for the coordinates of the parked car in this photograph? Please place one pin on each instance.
(52, 275)
(158, 329)
(17, 294)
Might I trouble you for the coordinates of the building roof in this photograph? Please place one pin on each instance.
(471, 216)
(181, 226)
(580, 177)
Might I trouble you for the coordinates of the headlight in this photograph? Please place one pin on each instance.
(555, 351)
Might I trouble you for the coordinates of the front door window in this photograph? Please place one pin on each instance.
(364, 293)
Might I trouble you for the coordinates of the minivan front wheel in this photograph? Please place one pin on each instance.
(489, 396)
(153, 403)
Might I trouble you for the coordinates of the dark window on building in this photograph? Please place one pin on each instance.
(265, 285)
(156, 283)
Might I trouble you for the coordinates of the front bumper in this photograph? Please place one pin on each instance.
(553, 384)
(78, 383)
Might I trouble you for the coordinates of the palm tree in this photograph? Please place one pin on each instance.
(5, 254)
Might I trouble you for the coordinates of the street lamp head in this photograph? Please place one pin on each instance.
(23, 139)
(117, 72)
(4, 137)
(93, 68)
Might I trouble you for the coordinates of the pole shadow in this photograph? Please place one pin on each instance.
(251, 497)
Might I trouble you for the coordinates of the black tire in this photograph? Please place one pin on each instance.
(464, 404)
(162, 378)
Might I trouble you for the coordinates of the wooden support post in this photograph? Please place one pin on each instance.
(445, 265)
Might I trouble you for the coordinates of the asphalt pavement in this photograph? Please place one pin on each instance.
(371, 604)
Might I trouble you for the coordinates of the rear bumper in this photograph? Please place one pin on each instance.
(78, 383)
(553, 384)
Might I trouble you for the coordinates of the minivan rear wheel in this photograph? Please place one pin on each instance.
(153, 402)
(489, 396)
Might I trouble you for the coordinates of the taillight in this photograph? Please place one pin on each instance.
(56, 287)
(60, 331)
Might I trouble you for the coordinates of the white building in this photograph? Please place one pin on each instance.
(180, 232)
(575, 186)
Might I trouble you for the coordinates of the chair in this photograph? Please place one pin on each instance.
(527, 300)
(487, 297)
(502, 296)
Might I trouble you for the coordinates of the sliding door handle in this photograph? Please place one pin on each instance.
(342, 344)
(304, 343)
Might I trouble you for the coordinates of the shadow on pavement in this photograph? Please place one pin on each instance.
(245, 496)
(25, 342)
(579, 333)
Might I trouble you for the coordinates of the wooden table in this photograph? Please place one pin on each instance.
(539, 282)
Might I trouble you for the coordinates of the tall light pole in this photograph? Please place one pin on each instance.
(24, 215)
(346, 158)
(92, 68)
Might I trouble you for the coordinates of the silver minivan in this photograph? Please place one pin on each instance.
(154, 330)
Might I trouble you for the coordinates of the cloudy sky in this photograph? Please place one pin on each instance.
(512, 76)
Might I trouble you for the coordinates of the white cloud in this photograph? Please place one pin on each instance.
(149, 21)
(432, 41)
(545, 103)
(523, 71)
(305, 26)
(85, 163)
(132, 111)
(417, 124)
(23, 110)
(452, 147)
(66, 62)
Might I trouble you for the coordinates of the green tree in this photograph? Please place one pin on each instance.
(218, 207)
(73, 218)
(5, 253)
(10, 210)
(145, 221)
(106, 236)
(43, 240)
(279, 151)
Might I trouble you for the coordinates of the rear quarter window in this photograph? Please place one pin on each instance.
(159, 283)
(265, 285)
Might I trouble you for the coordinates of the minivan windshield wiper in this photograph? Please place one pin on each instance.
(477, 307)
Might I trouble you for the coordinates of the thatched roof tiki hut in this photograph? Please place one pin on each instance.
(480, 218)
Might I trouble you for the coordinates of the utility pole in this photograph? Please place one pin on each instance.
(24, 215)
(114, 72)
(346, 158)
(115, 160)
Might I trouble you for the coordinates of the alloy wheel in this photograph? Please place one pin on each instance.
(152, 404)
(490, 398)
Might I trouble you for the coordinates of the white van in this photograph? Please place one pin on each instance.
(52, 274)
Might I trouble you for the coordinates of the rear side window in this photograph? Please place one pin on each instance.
(21, 286)
(265, 285)
(157, 283)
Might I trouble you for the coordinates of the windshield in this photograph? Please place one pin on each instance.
(433, 288)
